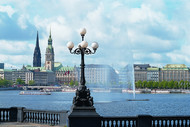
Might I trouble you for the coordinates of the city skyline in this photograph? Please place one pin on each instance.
(154, 32)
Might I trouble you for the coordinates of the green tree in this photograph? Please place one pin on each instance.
(181, 84)
(19, 81)
(71, 83)
(160, 85)
(165, 85)
(175, 85)
(138, 84)
(144, 84)
(5, 83)
(31, 82)
(150, 84)
(155, 85)
(171, 84)
(76, 83)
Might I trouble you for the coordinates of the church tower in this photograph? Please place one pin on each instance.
(49, 56)
(37, 54)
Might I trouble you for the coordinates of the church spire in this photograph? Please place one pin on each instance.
(37, 40)
(50, 39)
(37, 54)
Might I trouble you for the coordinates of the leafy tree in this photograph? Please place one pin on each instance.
(71, 83)
(160, 85)
(20, 81)
(76, 83)
(175, 85)
(138, 84)
(144, 84)
(155, 85)
(5, 83)
(150, 84)
(171, 84)
(31, 82)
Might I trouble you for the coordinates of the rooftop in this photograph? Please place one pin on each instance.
(175, 67)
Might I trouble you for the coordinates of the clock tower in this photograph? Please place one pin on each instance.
(49, 56)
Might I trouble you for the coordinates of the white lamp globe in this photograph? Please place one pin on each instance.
(82, 31)
(94, 45)
(84, 44)
(70, 45)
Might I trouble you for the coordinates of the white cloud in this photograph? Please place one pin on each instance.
(22, 21)
(8, 9)
(15, 47)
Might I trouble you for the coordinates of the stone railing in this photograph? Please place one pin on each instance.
(17, 114)
(146, 121)
(8, 114)
(119, 121)
(45, 117)
(171, 121)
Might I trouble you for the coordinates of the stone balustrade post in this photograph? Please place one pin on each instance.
(144, 121)
(20, 114)
(63, 117)
(84, 117)
(13, 114)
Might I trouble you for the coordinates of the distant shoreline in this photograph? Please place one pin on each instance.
(10, 88)
(159, 91)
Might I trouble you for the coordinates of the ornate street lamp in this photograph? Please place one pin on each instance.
(82, 98)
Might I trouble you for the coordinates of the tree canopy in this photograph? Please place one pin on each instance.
(163, 84)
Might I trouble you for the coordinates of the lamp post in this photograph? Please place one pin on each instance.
(82, 97)
(83, 113)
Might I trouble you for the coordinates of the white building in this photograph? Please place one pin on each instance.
(100, 74)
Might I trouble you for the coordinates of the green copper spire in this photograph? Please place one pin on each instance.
(50, 39)
(50, 47)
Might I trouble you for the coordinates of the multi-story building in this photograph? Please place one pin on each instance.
(8, 74)
(44, 77)
(29, 76)
(99, 74)
(153, 74)
(176, 72)
(1, 65)
(123, 75)
(140, 71)
(18, 74)
(1, 74)
(64, 75)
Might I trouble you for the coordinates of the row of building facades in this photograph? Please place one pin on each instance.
(97, 74)
(175, 72)
(55, 73)
(94, 74)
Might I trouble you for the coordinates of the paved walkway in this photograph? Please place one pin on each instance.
(18, 124)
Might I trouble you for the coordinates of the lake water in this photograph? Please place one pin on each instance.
(106, 104)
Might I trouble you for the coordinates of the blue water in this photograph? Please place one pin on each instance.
(106, 104)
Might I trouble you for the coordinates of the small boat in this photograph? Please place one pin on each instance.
(34, 93)
(68, 90)
(137, 99)
(101, 90)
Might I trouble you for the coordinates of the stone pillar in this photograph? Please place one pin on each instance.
(63, 117)
(84, 117)
(13, 114)
(144, 121)
(20, 114)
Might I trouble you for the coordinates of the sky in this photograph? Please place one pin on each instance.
(154, 32)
